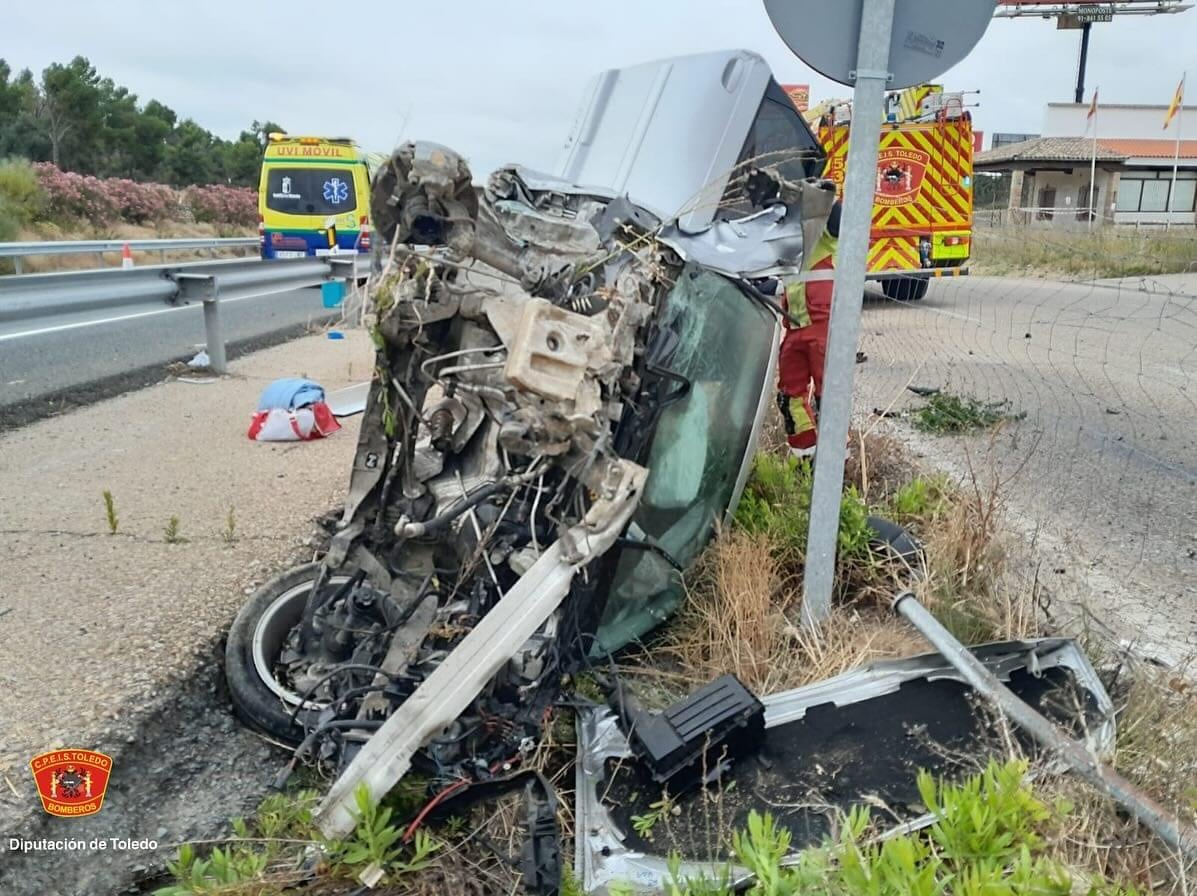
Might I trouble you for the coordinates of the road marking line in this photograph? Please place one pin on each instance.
(91, 323)
(118, 318)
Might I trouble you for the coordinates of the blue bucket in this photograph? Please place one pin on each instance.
(332, 293)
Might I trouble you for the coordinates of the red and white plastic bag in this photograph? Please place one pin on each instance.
(313, 421)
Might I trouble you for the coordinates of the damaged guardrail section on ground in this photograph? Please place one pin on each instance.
(43, 301)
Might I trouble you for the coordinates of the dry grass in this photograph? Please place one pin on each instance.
(45, 232)
(1156, 750)
(878, 465)
(1102, 252)
(967, 585)
(741, 616)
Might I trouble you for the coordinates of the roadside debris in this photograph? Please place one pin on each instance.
(948, 413)
(350, 401)
(290, 410)
(852, 740)
(1079, 757)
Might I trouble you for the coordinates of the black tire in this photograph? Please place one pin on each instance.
(905, 289)
(893, 542)
(272, 610)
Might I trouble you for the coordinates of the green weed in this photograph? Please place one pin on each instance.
(171, 531)
(222, 869)
(657, 812)
(776, 504)
(947, 413)
(110, 512)
(230, 527)
(990, 839)
(376, 842)
(921, 498)
(281, 822)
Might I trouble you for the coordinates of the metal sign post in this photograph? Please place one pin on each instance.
(868, 101)
(872, 45)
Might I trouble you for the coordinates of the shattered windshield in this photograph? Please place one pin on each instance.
(724, 348)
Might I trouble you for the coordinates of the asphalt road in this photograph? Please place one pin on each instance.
(112, 641)
(1101, 473)
(117, 348)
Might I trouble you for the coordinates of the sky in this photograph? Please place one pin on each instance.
(501, 80)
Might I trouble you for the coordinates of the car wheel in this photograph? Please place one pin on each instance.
(905, 289)
(255, 642)
(892, 542)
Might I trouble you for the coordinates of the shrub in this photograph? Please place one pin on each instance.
(142, 203)
(222, 204)
(776, 504)
(989, 839)
(21, 196)
(75, 197)
(71, 197)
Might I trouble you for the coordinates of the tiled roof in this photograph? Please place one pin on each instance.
(1151, 149)
(1049, 149)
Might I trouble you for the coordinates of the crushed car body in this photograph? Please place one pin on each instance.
(571, 374)
(565, 404)
(856, 739)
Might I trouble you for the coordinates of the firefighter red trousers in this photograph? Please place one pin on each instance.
(800, 379)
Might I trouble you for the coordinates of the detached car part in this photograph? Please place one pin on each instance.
(858, 738)
(1179, 835)
(698, 737)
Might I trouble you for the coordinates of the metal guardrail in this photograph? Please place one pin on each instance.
(56, 297)
(18, 251)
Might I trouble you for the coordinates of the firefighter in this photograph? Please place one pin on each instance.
(804, 342)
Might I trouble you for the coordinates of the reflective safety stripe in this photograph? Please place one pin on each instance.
(822, 256)
(801, 415)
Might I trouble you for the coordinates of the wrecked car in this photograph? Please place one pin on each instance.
(560, 369)
(571, 375)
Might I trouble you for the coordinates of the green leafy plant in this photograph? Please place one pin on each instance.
(776, 504)
(171, 531)
(230, 527)
(657, 811)
(376, 842)
(110, 512)
(988, 840)
(222, 869)
(920, 498)
(946, 413)
(286, 815)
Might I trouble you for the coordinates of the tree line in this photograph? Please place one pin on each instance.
(85, 123)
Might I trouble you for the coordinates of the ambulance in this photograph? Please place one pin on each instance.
(313, 197)
(923, 206)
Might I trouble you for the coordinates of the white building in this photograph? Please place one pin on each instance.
(1050, 175)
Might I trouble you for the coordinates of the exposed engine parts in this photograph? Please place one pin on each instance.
(531, 338)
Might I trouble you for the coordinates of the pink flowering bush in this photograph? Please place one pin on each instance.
(139, 203)
(222, 204)
(101, 201)
(71, 196)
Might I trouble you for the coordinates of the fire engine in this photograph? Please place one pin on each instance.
(923, 209)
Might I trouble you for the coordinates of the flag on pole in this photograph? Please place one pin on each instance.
(1092, 108)
(1177, 99)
